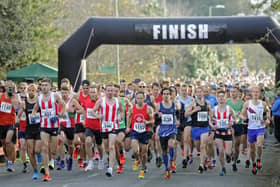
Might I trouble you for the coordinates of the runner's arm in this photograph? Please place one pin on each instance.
(79, 109)
(243, 113)
(62, 103)
(150, 113)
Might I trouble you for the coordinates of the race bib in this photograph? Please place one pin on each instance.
(6, 107)
(90, 114)
(37, 118)
(63, 118)
(167, 119)
(222, 124)
(48, 113)
(107, 125)
(202, 116)
(139, 127)
(23, 117)
(82, 118)
(256, 118)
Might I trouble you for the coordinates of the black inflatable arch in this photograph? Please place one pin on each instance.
(158, 31)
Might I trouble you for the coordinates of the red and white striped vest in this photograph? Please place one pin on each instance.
(65, 120)
(110, 119)
(48, 110)
(222, 120)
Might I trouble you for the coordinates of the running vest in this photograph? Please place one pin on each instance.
(68, 119)
(255, 115)
(122, 124)
(200, 118)
(91, 121)
(28, 110)
(237, 108)
(22, 121)
(184, 105)
(222, 119)
(80, 118)
(168, 121)
(48, 111)
(110, 119)
(137, 119)
(7, 111)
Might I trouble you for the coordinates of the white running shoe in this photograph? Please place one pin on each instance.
(90, 165)
(109, 172)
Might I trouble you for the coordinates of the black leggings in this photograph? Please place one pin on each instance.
(277, 127)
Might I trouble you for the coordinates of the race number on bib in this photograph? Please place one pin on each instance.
(256, 118)
(82, 118)
(107, 125)
(202, 116)
(63, 118)
(6, 107)
(23, 116)
(222, 124)
(48, 113)
(90, 114)
(37, 118)
(139, 127)
(167, 119)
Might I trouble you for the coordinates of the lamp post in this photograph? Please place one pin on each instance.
(118, 47)
(216, 6)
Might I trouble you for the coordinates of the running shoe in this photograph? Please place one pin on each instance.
(42, 169)
(51, 164)
(234, 168)
(122, 158)
(35, 174)
(69, 163)
(10, 166)
(223, 171)
(61, 165)
(247, 163)
(109, 172)
(80, 163)
(76, 153)
(167, 174)
(214, 163)
(254, 170)
(141, 174)
(259, 165)
(24, 170)
(210, 165)
(185, 163)
(89, 166)
(120, 169)
(172, 166)
(200, 168)
(96, 156)
(135, 165)
(228, 159)
(46, 178)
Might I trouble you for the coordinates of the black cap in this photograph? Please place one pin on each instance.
(85, 82)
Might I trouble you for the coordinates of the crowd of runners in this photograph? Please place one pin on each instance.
(154, 121)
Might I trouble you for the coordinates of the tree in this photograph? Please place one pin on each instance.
(28, 32)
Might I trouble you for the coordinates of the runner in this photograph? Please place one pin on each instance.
(167, 130)
(235, 102)
(8, 105)
(67, 126)
(110, 119)
(22, 124)
(185, 125)
(222, 115)
(254, 110)
(93, 130)
(139, 116)
(121, 133)
(47, 103)
(32, 132)
(79, 138)
(199, 112)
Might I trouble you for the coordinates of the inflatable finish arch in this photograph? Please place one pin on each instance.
(158, 31)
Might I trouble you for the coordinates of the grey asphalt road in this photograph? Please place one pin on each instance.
(269, 176)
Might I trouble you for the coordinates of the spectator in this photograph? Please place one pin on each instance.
(276, 114)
